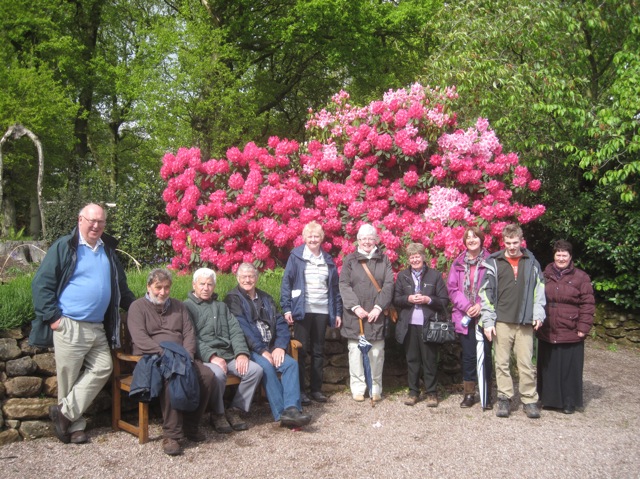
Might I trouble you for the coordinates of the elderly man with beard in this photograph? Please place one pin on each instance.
(157, 319)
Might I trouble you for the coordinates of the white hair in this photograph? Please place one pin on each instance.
(204, 272)
(367, 230)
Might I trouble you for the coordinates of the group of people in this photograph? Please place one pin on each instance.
(499, 301)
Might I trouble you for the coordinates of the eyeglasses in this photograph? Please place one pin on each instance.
(94, 222)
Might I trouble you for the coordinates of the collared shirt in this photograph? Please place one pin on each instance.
(82, 241)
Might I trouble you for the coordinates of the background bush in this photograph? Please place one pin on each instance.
(133, 222)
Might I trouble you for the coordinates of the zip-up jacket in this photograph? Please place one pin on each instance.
(531, 307)
(54, 274)
(570, 305)
(218, 331)
(242, 308)
(293, 281)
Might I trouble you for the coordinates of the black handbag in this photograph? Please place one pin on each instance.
(439, 332)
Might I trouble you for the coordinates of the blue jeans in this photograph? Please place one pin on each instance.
(282, 392)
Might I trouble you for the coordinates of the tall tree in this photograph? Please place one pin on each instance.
(559, 80)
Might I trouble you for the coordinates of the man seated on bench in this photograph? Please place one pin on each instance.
(223, 349)
(158, 319)
(268, 337)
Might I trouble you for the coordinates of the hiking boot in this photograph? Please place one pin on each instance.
(304, 399)
(531, 410)
(504, 408)
(171, 447)
(220, 424)
(432, 400)
(236, 422)
(411, 401)
(291, 417)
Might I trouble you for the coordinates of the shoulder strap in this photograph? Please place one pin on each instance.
(368, 271)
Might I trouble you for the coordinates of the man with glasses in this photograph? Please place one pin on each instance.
(267, 335)
(77, 293)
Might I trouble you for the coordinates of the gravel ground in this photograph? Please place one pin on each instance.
(349, 439)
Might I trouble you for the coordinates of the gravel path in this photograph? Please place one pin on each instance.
(348, 439)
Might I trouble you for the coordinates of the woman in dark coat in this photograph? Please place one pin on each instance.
(361, 299)
(570, 309)
(420, 294)
(310, 301)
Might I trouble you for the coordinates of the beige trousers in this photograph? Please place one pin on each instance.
(83, 367)
(518, 338)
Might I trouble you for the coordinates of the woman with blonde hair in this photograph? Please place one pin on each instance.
(310, 300)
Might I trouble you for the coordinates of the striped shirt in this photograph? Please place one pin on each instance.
(316, 280)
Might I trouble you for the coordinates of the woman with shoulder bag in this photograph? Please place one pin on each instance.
(362, 301)
(420, 296)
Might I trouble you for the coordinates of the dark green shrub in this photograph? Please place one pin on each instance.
(133, 222)
(61, 215)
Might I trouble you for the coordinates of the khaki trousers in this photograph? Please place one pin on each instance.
(518, 338)
(83, 367)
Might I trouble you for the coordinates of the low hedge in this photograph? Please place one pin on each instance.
(16, 306)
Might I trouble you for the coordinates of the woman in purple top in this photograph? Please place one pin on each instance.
(465, 278)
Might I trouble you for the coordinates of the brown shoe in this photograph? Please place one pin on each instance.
(171, 447)
(412, 401)
(220, 424)
(468, 401)
(432, 400)
(60, 423)
(79, 437)
(195, 436)
(236, 422)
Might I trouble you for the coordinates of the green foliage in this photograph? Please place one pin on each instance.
(61, 216)
(16, 307)
(560, 83)
(612, 251)
(134, 219)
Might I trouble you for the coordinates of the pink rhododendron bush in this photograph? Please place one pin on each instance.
(400, 163)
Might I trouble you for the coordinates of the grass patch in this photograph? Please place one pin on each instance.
(16, 305)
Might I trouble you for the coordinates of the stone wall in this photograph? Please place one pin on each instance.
(616, 326)
(28, 384)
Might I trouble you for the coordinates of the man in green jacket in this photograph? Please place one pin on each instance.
(222, 347)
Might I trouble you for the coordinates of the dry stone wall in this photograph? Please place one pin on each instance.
(28, 384)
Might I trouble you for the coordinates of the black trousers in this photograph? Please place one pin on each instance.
(311, 333)
(420, 355)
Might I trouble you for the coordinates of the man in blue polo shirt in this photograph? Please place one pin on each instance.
(77, 292)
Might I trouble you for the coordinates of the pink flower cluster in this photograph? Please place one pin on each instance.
(400, 163)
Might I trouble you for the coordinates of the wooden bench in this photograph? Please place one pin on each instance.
(123, 365)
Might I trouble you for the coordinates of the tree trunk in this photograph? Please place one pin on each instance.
(35, 226)
(8, 215)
